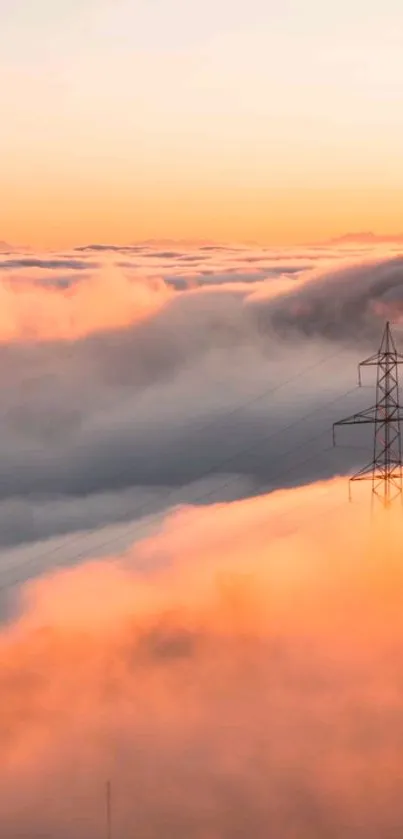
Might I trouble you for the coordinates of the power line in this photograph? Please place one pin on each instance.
(277, 518)
(133, 528)
(224, 414)
(202, 426)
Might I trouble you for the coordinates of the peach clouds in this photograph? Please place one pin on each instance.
(56, 296)
(105, 299)
(252, 682)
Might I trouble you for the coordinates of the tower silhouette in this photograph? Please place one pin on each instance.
(385, 470)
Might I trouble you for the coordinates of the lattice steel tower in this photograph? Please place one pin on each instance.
(385, 470)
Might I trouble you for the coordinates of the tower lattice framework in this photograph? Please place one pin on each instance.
(385, 470)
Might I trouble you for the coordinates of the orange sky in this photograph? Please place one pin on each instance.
(277, 123)
(266, 216)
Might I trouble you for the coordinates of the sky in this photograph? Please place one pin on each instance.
(200, 239)
(260, 121)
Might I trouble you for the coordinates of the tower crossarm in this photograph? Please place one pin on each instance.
(370, 417)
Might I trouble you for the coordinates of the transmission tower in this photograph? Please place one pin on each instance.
(385, 469)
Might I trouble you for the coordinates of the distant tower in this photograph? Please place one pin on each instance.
(385, 470)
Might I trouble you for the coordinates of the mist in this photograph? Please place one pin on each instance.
(190, 608)
(248, 679)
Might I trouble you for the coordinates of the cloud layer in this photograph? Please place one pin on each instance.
(135, 379)
(247, 681)
(229, 667)
(38, 308)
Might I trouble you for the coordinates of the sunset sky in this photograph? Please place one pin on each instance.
(201, 238)
(270, 121)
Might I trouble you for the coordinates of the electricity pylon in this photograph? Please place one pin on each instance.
(385, 469)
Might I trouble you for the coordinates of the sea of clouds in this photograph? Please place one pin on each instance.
(166, 463)
(135, 379)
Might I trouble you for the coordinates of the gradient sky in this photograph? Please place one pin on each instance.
(258, 120)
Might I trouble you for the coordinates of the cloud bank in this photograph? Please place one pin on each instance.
(135, 379)
(247, 681)
(32, 308)
(231, 669)
(331, 288)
